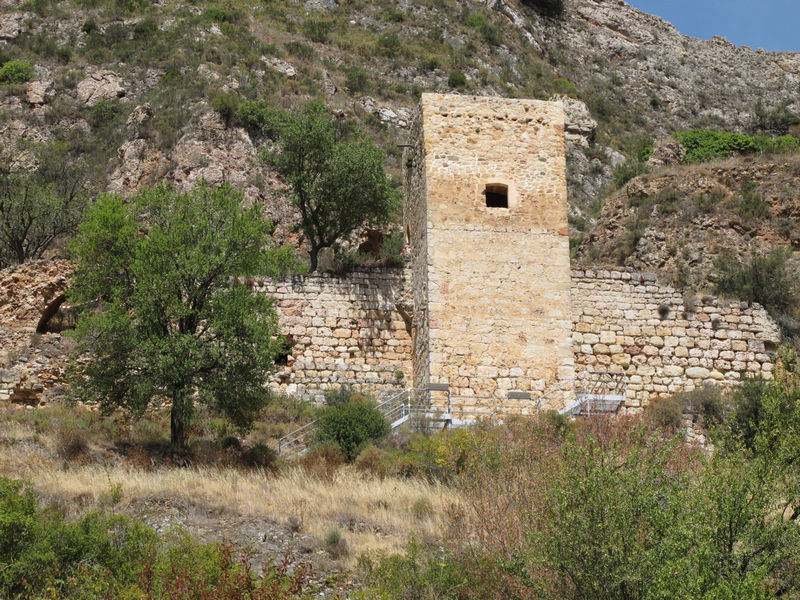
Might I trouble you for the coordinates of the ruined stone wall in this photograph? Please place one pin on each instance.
(344, 330)
(498, 279)
(627, 321)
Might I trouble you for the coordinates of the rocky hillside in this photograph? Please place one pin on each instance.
(128, 88)
(678, 220)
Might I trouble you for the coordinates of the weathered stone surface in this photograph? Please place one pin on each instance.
(697, 373)
(667, 152)
(281, 66)
(100, 84)
(39, 92)
(11, 25)
(664, 341)
(510, 308)
(318, 312)
(579, 125)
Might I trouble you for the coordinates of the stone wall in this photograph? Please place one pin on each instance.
(494, 281)
(343, 330)
(627, 321)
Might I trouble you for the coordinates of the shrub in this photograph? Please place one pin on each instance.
(491, 34)
(627, 171)
(767, 279)
(352, 426)
(260, 456)
(227, 105)
(104, 112)
(300, 50)
(323, 460)
(356, 80)
(344, 394)
(16, 71)
(218, 15)
(747, 411)
(703, 145)
(259, 118)
(374, 461)
(389, 44)
(317, 30)
(456, 79)
(72, 438)
(335, 544)
(752, 205)
(99, 556)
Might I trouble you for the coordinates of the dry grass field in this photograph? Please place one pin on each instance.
(295, 505)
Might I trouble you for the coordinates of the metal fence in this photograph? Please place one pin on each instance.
(434, 407)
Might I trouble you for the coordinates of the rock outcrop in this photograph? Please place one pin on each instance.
(100, 85)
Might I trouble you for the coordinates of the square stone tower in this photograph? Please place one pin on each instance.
(486, 221)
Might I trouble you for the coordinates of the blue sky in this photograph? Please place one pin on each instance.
(768, 24)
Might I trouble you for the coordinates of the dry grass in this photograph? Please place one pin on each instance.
(373, 514)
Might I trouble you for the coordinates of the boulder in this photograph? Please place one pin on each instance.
(100, 84)
(667, 152)
(281, 66)
(39, 92)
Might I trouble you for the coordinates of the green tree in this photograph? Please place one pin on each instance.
(166, 311)
(335, 180)
(36, 208)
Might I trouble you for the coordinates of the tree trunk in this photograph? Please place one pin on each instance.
(179, 416)
(313, 254)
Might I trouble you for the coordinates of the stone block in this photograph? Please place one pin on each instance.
(697, 372)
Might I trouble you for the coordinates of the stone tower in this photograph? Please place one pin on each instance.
(486, 221)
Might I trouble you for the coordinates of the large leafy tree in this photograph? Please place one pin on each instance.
(166, 311)
(336, 180)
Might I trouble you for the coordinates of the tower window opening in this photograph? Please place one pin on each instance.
(496, 195)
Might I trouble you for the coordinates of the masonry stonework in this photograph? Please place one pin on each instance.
(665, 342)
(353, 330)
(490, 283)
(342, 331)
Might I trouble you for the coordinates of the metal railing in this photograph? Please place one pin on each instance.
(589, 392)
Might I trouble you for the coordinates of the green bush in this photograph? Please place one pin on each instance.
(356, 80)
(352, 426)
(104, 112)
(44, 556)
(456, 79)
(218, 15)
(490, 33)
(16, 71)
(703, 145)
(767, 279)
(706, 400)
(260, 456)
(421, 573)
(751, 205)
(389, 44)
(227, 105)
(317, 30)
(300, 50)
(259, 118)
